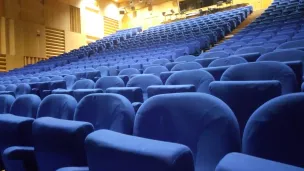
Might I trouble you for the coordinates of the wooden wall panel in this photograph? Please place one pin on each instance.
(57, 15)
(55, 42)
(1, 8)
(110, 25)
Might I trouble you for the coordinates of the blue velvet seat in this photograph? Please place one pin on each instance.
(199, 121)
(267, 70)
(199, 78)
(274, 130)
(56, 106)
(66, 137)
(16, 124)
(243, 162)
(244, 97)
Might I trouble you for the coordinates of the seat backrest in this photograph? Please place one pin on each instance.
(199, 78)
(106, 111)
(215, 54)
(2, 88)
(104, 71)
(198, 120)
(59, 106)
(283, 56)
(34, 80)
(253, 49)
(56, 78)
(45, 79)
(267, 70)
(129, 71)
(161, 62)
(274, 131)
(186, 66)
(11, 87)
(22, 88)
(244, 97)
(109, 81)
(83, 84)
(156, 70)
(26, 106)
(227, 61)
(70, 80)
(6, 101)
(298, 44)
(186, 58)
(143, 81)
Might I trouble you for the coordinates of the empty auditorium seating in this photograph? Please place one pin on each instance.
(178, 96)
(66, 138)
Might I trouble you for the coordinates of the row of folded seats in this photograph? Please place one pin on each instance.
(176, 131)
(248, 104)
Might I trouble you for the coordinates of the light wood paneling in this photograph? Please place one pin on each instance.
(55, 42)
(75, 21)
(110, 26)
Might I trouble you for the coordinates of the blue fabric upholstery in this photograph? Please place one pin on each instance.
(267, 70)
(94, 111)
(22, 88)
(199, 78)
(73, 169)
(2, 88)
(200, 121)
(108, 111)
(83, 84)
(156, 70)
(19, 158)
(59, 143)
(243, 162)
(104, 71)
(144, 81)
(205, 62)
(133, 94)
(274, 130)
(244, 97)
(6, 101)
(109, 81)
(252, 49)
(186, 58)
(129, 71)
(297, 67)
(296, 45)
(169, 66)
(227, 61)
(106, 152)
(70, 80)
(216, 72)
(60, 106)
(92, 74)
(165, 75)
(166, 89)
(283, 56)
(216, 54)
(26, 106)
(250, 57)
(16, 128)
(186, 66)
(80, 93)
(161, 62)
